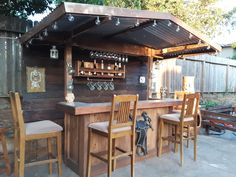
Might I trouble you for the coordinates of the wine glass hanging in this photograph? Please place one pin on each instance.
(108, 56)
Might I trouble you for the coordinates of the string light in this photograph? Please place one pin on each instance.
(45, 32)
(54, 26)
(190, 36)
(199, 41)
(208, 47)
(71, 18)
(154, 23)
(178, 29)
(117, 22)
(97, 21)
(169, 23)
(137, 23)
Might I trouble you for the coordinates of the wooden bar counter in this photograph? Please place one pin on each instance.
(79, 115)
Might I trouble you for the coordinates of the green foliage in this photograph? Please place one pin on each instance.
(23, 8)
(98, 2)
(209, 104)
(234, 57)
(234, 45)
(201, 14)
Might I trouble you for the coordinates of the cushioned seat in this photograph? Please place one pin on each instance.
(40, 127)
(175, 117)
(176, 111)
(103, 127)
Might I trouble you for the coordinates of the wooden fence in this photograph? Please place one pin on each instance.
(212, 74)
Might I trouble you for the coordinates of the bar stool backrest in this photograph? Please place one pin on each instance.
(122, 105)
(17, 113)
(190, 106)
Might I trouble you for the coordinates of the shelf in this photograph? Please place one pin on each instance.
(101, 76)
(106, 72)
(102, 70)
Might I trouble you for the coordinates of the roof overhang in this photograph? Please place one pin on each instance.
(140, 32)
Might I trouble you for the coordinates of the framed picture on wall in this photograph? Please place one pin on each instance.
(35, 79)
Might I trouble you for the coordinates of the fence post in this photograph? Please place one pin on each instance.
(202, 77)
(227, 79)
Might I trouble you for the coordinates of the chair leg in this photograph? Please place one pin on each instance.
(195, 142)
(50, 154)
(16, 150)
(132, 155)
(109, 169)
(5, 155)
(113, 154)
(161, 124)
(59, 154)
(22, 158)
(181, 146)
(176, 139)
(188, 135)
(88, 153)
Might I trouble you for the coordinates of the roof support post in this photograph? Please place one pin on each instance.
(68, 81)
(149, 79)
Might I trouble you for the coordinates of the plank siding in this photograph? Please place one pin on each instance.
(41, 106)
(212, 74)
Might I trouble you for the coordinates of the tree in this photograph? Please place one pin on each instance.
(23, 8)
(201, 14)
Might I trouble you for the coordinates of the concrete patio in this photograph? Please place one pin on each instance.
(216, 157)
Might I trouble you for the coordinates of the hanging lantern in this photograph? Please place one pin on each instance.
(53, 52)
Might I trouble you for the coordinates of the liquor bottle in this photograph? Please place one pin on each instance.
(81, 67)
(94, 66)
(102, 66)
(119, 68)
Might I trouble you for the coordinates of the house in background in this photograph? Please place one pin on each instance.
(227, 51)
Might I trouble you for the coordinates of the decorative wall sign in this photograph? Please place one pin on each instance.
(35, 79)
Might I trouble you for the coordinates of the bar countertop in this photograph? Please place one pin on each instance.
(81, 108)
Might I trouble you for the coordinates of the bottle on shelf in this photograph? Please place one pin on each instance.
(82, 66)
(119, 68)
(94, 66)
(102, 66)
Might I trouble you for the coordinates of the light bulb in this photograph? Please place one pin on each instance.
(97, 21)
(117, 22)
(54, 26)
(137, 23)
(177, 29)
(190, 36)
(154, 23)
(45, 32)
(71, 18)
(169, 23)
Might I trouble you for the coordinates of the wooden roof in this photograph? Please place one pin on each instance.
(140, 32)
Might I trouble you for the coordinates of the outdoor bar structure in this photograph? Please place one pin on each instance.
(112, 51)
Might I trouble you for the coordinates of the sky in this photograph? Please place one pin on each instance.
(224, 38)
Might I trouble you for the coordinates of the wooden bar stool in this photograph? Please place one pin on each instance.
(7, 168)
(33, 131)
(118, 126)
(187, 117)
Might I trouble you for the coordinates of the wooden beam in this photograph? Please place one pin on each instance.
(149, 76)
(179, 48)
(87, 26)
(45, 23)
(131, 28)
(109, 46)
(67, 60)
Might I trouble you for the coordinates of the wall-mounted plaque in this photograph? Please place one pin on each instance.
(35, 79)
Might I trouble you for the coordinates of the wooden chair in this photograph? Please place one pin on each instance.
(187, 117)
(118, 126)
(33, 131)
(7, 168)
